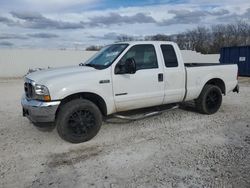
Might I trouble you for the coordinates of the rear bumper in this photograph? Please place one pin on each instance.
(236, 89)
(38, 111)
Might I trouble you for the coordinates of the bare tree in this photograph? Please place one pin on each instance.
(158, 37)
(124, 38)
(206, 40)
(244, 33)
(94, 48)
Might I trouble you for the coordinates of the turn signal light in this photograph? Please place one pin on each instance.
(47, 98)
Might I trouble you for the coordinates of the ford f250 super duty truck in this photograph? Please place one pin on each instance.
(122, 77)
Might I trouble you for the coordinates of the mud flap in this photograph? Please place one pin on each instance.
(236, 89)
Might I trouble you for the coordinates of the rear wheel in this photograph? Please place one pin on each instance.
(209, 100)
(78, 121)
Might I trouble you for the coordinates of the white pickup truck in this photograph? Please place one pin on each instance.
(122, 77)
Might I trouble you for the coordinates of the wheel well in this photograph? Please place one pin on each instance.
(218, 82)
(96, 99)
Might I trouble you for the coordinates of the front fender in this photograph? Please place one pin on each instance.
(105, 92)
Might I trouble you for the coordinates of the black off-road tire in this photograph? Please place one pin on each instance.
(210, 99)
(78, 121)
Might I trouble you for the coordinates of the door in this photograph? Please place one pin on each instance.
(143, 88)
(174, 74)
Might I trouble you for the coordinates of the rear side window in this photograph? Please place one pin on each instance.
(169, 56)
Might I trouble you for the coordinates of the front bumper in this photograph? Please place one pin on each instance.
(38, 111)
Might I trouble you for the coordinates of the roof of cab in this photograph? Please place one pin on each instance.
(145, 42)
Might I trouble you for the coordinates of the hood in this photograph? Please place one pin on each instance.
(44, 76)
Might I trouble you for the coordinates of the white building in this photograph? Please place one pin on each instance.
(17, 62)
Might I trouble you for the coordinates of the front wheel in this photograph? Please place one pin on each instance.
(209, 100)
(78, 121)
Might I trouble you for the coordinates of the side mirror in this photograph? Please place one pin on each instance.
(127, 67)
(130, 66)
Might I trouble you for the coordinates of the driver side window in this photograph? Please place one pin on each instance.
(144, 56)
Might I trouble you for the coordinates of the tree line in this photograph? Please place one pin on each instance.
(207, 40)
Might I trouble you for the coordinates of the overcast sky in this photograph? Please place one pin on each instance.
(80, 23)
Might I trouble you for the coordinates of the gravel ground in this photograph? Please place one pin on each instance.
(180, 148)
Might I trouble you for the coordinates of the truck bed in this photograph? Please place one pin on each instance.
(197, 74)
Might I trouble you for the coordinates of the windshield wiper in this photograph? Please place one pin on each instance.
(90, 65)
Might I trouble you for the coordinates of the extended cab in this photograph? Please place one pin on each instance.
(122, 77)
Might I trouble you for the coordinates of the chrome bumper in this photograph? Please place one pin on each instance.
(38, 111)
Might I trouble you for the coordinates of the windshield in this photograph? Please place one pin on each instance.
(106, 56)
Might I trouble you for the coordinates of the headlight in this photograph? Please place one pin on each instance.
(41, 92)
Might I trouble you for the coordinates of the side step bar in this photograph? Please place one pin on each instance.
(139, 117)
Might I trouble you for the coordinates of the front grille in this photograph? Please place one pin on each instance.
(28, 89)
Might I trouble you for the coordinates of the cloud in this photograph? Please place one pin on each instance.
(107, 36)
(219, 12)
(24, 37)
(47, 5)
(38, 21)
(191, 17)
(28, 16)
(246, 14)
(103, 21)
(59, 2)
(235, 17)
(43, 35)
(180, 16)
(6, 21)
(11, 36)
(112, 36)
(219, 3)
(183, 17)
(6, 44)
(116, 18)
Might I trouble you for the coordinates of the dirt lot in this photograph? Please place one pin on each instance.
(179, 148)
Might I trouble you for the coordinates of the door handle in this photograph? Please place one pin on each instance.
(160, 77)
